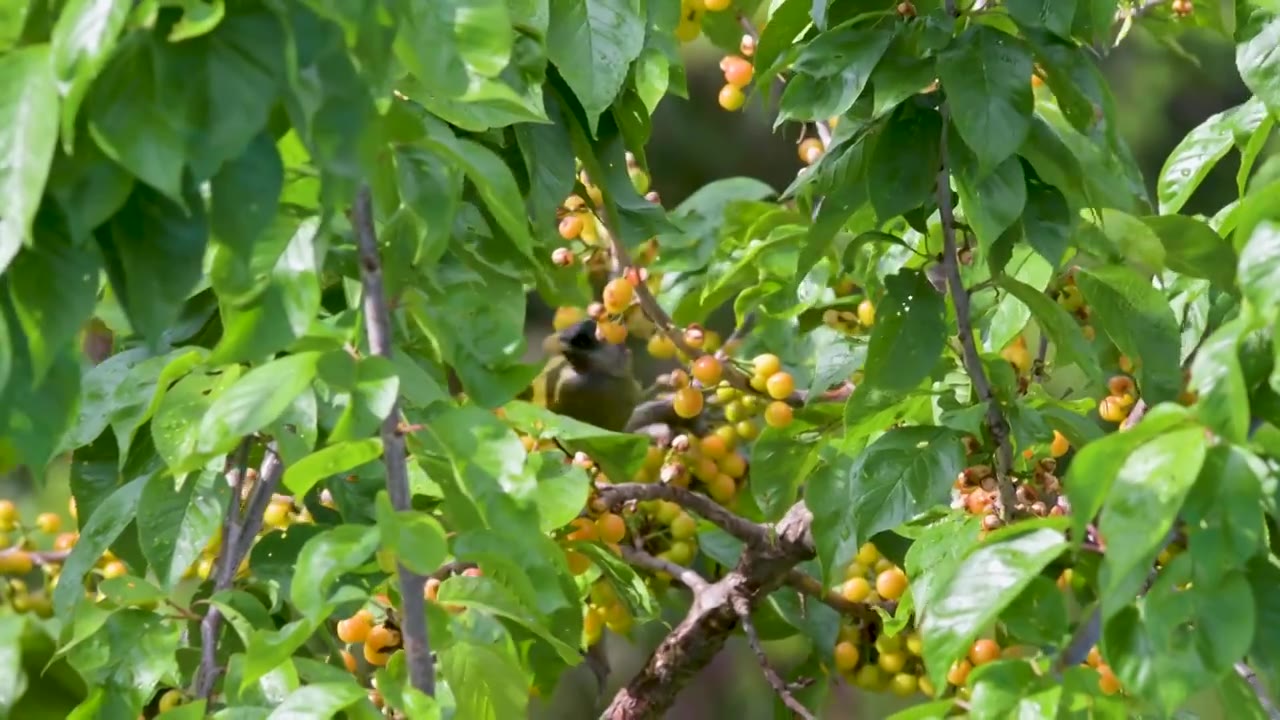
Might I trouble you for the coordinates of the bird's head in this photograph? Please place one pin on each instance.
(587, 353)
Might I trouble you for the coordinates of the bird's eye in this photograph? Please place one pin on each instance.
(582, 340)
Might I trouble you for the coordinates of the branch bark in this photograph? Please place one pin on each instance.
(377, 319)
(995, 420)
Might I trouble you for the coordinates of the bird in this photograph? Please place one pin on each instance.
(587, 379)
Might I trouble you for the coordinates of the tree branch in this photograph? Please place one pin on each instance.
(779, 685)
(1264, 699)
(614, 496)
(995, 419)
(808, 585)
(642, 559)
(377, 320)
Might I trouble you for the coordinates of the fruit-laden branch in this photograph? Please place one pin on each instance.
(377, 322)
(714, 615)
(995, 420)
(240, 526)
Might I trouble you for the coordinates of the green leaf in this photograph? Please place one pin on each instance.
(489, 596)
(1193, 248)
(592, 43)
(28, 137)
(780, 461)
(175, 429)
(1156, 653)
(316, 700)
(487, 681)
(619, 455)
(1141, 506)
(1094, 469)
(323, 560)
(254, 401)
(1052, 15)
(935, 556)
(909, 335)
(1046, 221)
(243, 199)
(1012, 688)
(1259, 268)
(630, 587)
(905, 472)
(1257, 60)
(1264, 654)
(984, 74)
(153, 249)
(495, 183)
(832, 72)
(445, 43)
(416, 538)
(1223, 402)
(96, 536)
(990, 577)
(1226, 507)
(14, 683)
(903, 174)
(1058, 324)
(133, 120)
(994, 203)
(1140, 322)
(1199, 151)
(302, 475)
(1038, 616)
(83, 40)
(175, 524)
(369, 402)
(563, 489)
(54, 287)
(269, 649)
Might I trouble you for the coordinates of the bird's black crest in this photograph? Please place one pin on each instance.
(581, 336)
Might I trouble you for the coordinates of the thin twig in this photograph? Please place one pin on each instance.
(995, 420)
(642, 559)
(378, 328)
(808, 585)
(38, 557)
(1264, 699)
(779, 685)
(225, 567)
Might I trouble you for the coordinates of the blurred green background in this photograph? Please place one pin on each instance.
(1161, 94)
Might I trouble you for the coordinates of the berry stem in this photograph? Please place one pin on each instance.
(377, 323)
(995, 420)
(806, 584)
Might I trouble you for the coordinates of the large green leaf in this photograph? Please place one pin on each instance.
(254, 401)
(175, 429)
(1259, 267)
(619, 455)
(990, 576)
(780, 461)
(323, 559)
(488, 682)
(302, 475)
(902, 173)
(176, 524)
(487, 595)
(1140, 322)
(1223, 402)
(243, 198)
(832, 72)
(630, 587)
(1052, 15)
(28, 137)
(992, 204)
(96, 536)
(1199, 151)
(54, 286)
(83, 40)
(903, 473)
(1059, 325)
(909, 335)
(325, 699)
(443, 43)
(592, 43)
(1257, 59)
(1193, 248)
(1140, 508)
(984, 74)
(415, 538)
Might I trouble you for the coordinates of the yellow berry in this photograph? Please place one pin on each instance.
(15, 562)
(687, 402)
(566, 316)
(611, 332)
(984, 650)
(661, 347)
(717, 5)
(737, 71)
(731, 98)
(707, 369)
(856, 589)
(891, 583)
(611, 528)
(1111, 409)
(780, 385)
(778, 414)
(810, 150)
(766, 364)
(170, 700)
(354, 629)
(48, 523)
(617, 295)
(1060, 445)
(846, 656)
(866, 313)
(571, 226)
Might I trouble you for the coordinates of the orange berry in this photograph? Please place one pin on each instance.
(617, 295)
(707, 369)
(959, 672)
(48, 522)
(578, 563)
(431, 589)
(354, 629)
(714, 447)
(1120, 385)
(1094, 659)
(65, 541)
(349, 661)
(16, 562)
(571, 226)
(733, 465)
(611, 332)
(1111, 409)
(891, 583)
(856, 589)
(717, 5)
(722, 488)
(846, 656)
(731, 98)
(611, 527)
(1060, 445)
(737, 71)
(984, 651)
(1108, 683)
(780, 385)
(114, 569)
(810, 150)
(687, 402)
(766, 364)
(778, 414)
(583, 530)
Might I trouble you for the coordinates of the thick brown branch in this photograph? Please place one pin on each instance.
(377, 321)
(995, 420)
(712, 618)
